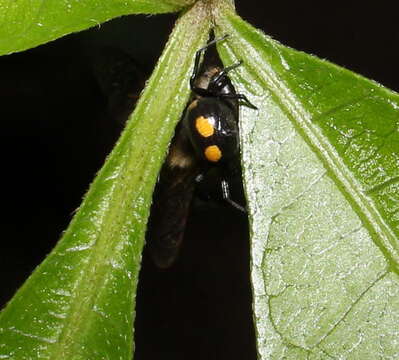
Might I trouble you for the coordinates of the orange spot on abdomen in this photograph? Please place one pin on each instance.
(204, 127)
(213, 153)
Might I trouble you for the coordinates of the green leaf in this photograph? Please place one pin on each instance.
(27, 23)
(321, 174)
(79, 303)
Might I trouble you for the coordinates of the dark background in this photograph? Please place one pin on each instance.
(60, 117)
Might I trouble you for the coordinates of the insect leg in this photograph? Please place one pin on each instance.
(240, 97)
(198, 60)
(227, 196)
(225, 71)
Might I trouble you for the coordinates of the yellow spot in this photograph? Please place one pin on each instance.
(213, 153)
(204, 127)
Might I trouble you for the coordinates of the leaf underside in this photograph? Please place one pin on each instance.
(26, 23)
(320, 162)
(79, 303)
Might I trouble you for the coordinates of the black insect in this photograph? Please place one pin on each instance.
(206, 137)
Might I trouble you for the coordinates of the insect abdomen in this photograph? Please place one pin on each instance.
(212, 128)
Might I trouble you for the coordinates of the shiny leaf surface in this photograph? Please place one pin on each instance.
(25, 23)
(321, 173)
(79, 303)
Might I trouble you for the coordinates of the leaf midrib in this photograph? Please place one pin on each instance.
(106, 238)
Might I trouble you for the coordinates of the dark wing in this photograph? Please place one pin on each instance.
(171, 202)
